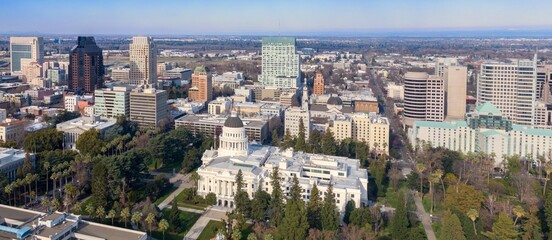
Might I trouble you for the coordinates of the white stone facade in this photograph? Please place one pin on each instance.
(256, 162)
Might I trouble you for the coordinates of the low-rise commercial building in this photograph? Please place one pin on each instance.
(211, 125)
(485, 130)
(10, 160)
(72, 129)
(20, 223)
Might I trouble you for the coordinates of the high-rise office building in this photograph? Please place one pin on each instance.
(148, 106)
(280, 64)
(318, 88)
(86, 67)
(143, 61)
(424, 97)
(112, 102)
(511, 87)
(456, 79)
(202, 86)
(442, 63)
(30, 48)
(56, 75)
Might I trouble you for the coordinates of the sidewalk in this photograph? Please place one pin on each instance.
(179, 180)
(211, 213)
(424, 216)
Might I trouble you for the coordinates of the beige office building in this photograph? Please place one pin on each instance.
(370, 128)
(120, 75)
(148, 106)
(29, 48)
(143, 61)
(456, 78)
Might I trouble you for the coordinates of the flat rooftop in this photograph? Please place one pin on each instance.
(18, 214)
(107, 232)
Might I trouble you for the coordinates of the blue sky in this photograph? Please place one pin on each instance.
(183, 17)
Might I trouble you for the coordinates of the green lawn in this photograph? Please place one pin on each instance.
(182, 203)
(164, 195)
(210, 231)
(187, 220)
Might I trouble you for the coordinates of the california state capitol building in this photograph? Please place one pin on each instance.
(220, 166)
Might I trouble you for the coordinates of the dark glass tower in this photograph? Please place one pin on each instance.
(86, 67)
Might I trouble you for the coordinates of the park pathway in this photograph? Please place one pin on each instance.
(180, 181)
(211, 213)
(423, 216)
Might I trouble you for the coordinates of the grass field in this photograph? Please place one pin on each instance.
(187, 220)
(210, 231)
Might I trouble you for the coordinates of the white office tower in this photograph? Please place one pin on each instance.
(25, 50)
(280, 63)
(511, 87)
(442, 63)
(143, 61)
(424, 97)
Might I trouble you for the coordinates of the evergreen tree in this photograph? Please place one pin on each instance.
(361, 217)
(416, 233)
(349, 208)
(313, 208)
(329, 146)
(99, 185)
(275, 138)
(399, 222)
(277, 201)
(451, 228)
(503, 229)
(294, 224)
(300, 142)
(531, 228)
(260, 204)
(90, 143)
(241, 198)
(329, 214)
(548, 209)
(288, 140)
(27, 166)
(315, 140)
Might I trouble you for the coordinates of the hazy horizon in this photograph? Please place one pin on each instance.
(285, 17)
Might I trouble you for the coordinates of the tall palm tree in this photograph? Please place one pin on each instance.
(46, 166)
(433, 179)
(519, 212)
(163, 226)
(100, 213)
(112, 214)
(150, 219)
(439, 174)
(473, 215)
(420, 167)
(36, 178)
(548, 170)
(125, 215)
(136, 218)
(8, 190)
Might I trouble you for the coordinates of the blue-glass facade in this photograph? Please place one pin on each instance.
(19, 51)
